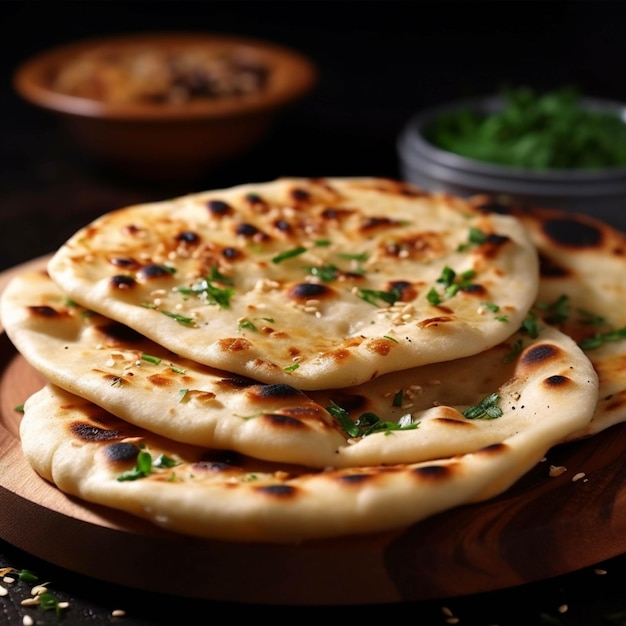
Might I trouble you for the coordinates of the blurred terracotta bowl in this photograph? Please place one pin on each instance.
(166, 105)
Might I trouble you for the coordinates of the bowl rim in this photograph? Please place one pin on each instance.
(414, 146)
(295, 74)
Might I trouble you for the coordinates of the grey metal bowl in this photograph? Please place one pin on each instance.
(601, 193)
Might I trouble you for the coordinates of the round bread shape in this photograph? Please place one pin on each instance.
(94, 456)
(315, 283)
(408, 416)
(582, 292)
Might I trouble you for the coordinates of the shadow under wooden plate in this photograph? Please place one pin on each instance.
(540, 528)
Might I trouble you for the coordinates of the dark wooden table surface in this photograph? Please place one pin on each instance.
(379, 62)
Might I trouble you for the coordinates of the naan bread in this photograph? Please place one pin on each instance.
(316, 283)
(144, 384)
(222, 495)
(583, 292)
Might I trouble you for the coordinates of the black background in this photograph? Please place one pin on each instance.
(379, 62)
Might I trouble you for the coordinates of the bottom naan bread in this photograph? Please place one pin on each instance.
(582, 291)
(99, 458)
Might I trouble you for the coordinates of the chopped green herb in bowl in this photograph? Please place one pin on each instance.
(554, 148)
(553, 130)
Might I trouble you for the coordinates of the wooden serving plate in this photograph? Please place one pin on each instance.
(540, 528)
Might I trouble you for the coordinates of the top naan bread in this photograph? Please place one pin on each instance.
(582, 291)
(317, 283)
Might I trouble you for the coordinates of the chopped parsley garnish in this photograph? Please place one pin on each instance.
(601, 338)
(181, 319)
(374, 296)
(476, 237)
(556, 312)
(487, 408)
(145, 464)
(531, 325)
(291, 368)
(213, 294)
(215, 276)
(151, 359)
(515, 350)
(288, 254)
(452, 283)
(246, 324)
(326, 273)
(368, 423)
(535, 130)
(360, 256)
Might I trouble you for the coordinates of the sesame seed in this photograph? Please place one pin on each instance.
(3, 591)
(563, 608)
(37, 590)
(578, 476)
(118, 613)
(557, 470)
(8, 579)
(30, 602)
(600, 572)
(27, 620)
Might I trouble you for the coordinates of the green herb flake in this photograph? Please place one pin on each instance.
(205, 289)
(476, 237)
(143, 467)
(326, 273)
(515, 351)
(368, 423)
(151, 359)
(361, 257)
(291, 368)
(531, 325)
(27, 576)
(433, 297)
(49, 602)
(288, 254)
(556, 312)
(181, 319)
(589, 318)
(374, 296)
(246, 324)
(487, 408)
(591, 343)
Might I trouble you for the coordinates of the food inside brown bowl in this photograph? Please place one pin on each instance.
(150, 74)
(166, 105)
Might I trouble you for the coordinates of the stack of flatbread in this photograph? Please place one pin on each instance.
(313, 358)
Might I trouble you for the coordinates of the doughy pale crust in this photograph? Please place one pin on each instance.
(144, 384)
(223, 495)
(317, 283)
(584, 260)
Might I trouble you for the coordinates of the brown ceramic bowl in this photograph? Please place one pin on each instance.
(173, 127)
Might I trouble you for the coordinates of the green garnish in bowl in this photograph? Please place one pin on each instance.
(554, 130)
